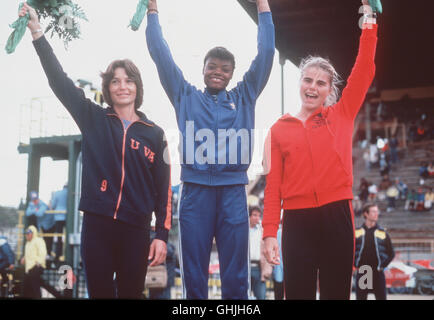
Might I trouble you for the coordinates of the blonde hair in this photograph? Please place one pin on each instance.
(325, 65)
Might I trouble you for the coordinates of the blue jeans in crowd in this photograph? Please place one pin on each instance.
(258, 286)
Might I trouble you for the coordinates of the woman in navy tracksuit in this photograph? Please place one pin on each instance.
(126, 175)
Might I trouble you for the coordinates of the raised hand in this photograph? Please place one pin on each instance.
(375, 5)
(33, 23)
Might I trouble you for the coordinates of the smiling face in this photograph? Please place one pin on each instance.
(315, 87)
(122, 89)
(217, 73)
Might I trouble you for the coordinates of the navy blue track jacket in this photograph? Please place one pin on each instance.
(126, 171)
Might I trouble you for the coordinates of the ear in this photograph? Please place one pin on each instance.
(232, 74)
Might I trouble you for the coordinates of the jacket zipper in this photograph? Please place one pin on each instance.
(122, 174)
(122, 166)
(311, 158)
(123, 161)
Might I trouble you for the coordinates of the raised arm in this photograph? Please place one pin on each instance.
(171, 76)
(257, 76)
(263, 6)
(363, 71)
(72, 97)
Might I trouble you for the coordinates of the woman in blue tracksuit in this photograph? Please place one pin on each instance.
(216, 127)
(126, 175)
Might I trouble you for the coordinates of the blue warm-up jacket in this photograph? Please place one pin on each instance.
(217, 139)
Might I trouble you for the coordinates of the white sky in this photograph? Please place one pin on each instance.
(190, 27)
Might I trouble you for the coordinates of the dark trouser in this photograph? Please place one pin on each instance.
(318, 241)
(110, 246)
(278, 290)
(378, 286)
(258, 286)
(32, 283)
(59, 244)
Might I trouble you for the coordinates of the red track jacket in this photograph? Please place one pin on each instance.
(310, 165)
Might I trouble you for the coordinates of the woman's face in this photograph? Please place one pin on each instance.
(314, 88)
(217, 74)
(122, 88)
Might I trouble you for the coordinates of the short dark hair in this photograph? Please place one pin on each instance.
(132, 71)
(220, 53)
(254, 208)
(368, 207)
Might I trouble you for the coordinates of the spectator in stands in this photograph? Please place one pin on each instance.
(410, 203)
(7, 260)
(384, 164)
(363, 189)
(392, 194)
(393, 144)
(429, 199)
(35, 210)
(59, 203)
(402, 188)
(421, 132)
(420, 200)
(373, 154)
(34, 261)
(373, 191)
(423, 170)
(430, 170)
(423, 173)
(382, 188)
(385, 183)
(260, 270)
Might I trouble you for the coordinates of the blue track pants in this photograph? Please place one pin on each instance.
(207, 212)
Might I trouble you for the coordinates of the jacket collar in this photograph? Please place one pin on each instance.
(221, 95)
(320, 112)
(377, 226)
(111, 112)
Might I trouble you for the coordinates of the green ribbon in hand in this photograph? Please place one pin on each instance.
(376, 6)
(19, 27)
(142, 6)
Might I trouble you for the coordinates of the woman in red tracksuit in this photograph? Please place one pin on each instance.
(310, 176)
